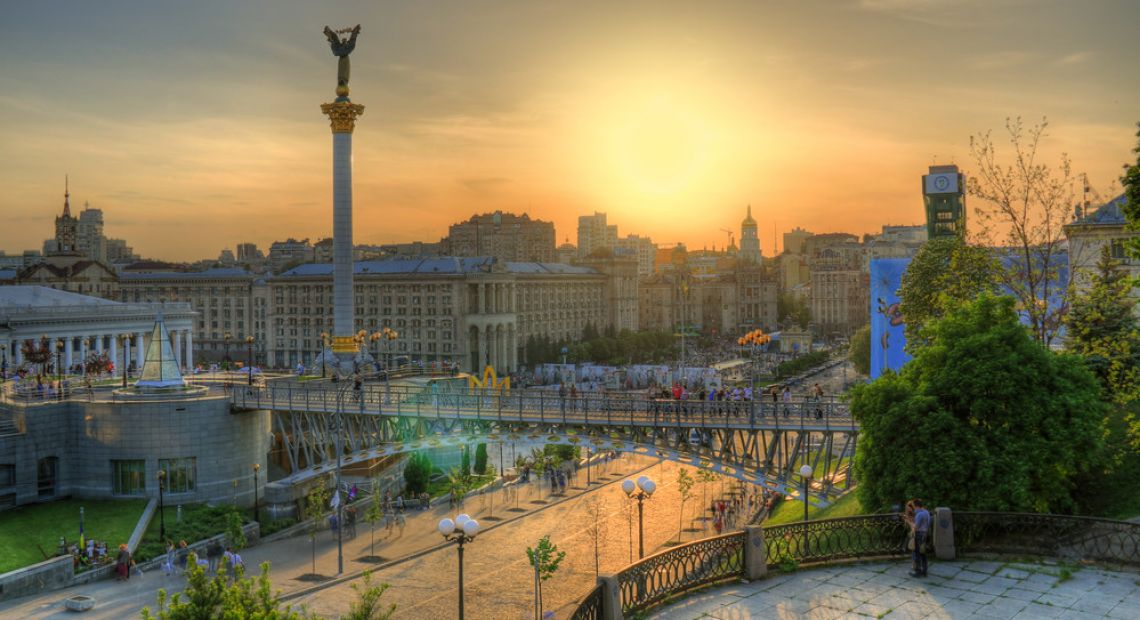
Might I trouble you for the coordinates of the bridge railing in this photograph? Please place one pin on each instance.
(543, 406)
(752, 553)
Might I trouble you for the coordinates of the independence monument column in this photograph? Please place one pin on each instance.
(342, 115)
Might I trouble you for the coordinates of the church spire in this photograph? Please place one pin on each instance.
(66, 197)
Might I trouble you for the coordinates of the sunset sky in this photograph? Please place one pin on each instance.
(196, 125)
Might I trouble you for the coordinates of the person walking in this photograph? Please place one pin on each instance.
(214, 553)
(787, 401)
(171, 558)
(921, 526)
(123, 563)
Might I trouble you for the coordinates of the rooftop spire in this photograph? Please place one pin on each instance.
(66, 197)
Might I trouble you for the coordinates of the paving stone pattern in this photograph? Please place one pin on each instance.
(966, 589)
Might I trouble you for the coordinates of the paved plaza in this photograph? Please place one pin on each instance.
(964, 589)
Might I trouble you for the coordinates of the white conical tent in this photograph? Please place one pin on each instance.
(160, 369)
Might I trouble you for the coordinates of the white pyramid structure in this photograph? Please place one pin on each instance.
(160, 369)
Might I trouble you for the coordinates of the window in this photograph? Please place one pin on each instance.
(128, 477)
(7, 475)
(181, 474)
(47, 473)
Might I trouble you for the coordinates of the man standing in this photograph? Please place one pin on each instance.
(921, 530)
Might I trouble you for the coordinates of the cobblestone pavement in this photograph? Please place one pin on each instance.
(497, 577)
(966, 589)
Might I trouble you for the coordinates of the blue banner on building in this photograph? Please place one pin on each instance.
(888, 338)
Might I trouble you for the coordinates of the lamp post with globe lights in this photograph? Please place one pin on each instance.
(641, 490)
(324, 345)
(249, 357)
(462, 530)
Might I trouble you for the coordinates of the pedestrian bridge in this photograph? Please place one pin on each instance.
(761, 442)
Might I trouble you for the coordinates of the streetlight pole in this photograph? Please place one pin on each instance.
(641, 490)
(161, 505)
(336, 489)
(59, 367)
(324, 345)
(256, 511)
(805, 474)
(462, 530)
(126, 340)
(3, 362)
(249, 358)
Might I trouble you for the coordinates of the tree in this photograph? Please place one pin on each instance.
(367, 605)
(685, 488)
(860, 351)
(417, 473)
(545, 558)
(1026, 205)
(983, 418)
(481, 459)
(1103, 329)
(234, 532)
(374, 515)
(315, 504)
(217, 597)
(793, 308)
(465, 460)
(1131, 181)
(705, 477)
(597, 509)
(944, 274)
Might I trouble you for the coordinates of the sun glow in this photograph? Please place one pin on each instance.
(661, 149)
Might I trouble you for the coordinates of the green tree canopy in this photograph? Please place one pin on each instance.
(1102, 328)
(945, 273)
(860, 351)
(1131, 209)
(417, 473)
(983, 418)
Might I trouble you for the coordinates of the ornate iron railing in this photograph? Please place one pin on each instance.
(590, 607)
(1065, 537)
(683, 568)
(836, 539)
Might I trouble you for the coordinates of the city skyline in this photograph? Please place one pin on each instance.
(197, 137)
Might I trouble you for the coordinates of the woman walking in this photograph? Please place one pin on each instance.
(123, 563)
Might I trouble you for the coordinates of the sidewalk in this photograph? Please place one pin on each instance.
(291, 558)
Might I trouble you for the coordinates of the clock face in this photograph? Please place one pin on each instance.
(942, 182)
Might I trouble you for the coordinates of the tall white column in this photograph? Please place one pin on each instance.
(190, 350)
(342, 118)
(176, 344)
(67, 362)
(115, 355)
(140, 349)
(484, 335)
(98, 341)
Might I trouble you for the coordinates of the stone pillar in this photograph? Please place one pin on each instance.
(482, 298)
(175, 340)
(115, 355)
(755, 553)
(140, 350)
(18, 351)
(98, 341)
(67, 361)
(513, 343)
(484, 333)
(943, 533)
(342, 118)
(611, 597)
(190, 350)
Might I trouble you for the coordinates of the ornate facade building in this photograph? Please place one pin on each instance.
(505, 236)
(1090, 232)
(735, 300)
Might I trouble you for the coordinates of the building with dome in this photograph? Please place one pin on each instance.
(749, 239)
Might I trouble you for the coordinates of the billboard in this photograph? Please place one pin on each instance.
(888, 338)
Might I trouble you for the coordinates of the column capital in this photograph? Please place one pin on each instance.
(342, 115)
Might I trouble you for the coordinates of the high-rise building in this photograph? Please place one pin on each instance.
(944, 195)
(749, 239)
(503, 235)
(595, 234)
(89, 239)
(65, 228)
(794, 240)
(642, 248)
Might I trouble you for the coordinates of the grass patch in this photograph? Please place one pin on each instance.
(792, 510)
(199, 521)
(24, 531)
(276, 525)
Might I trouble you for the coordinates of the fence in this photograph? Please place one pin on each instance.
(749, 554)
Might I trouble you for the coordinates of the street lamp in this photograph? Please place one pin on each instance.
(227, 337)
(125, 340)
(256, 512)
(3, 362)
(324, 344)
(249, 357)
(462, 530)
(59, 366)
(805, 475)
(641, 490)
(161, 515)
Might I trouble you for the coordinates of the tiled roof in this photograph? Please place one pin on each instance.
(218, 272)
(441, 265)
(1108, 214)
(40, 296)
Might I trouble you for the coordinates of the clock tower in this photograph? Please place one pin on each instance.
(944, 196)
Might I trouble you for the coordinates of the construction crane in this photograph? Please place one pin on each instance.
(731, 242)
(1089, 198)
